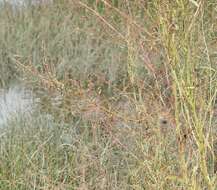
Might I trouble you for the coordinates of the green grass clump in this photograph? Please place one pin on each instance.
(127, 94)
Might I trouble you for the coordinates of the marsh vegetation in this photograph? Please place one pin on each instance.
(123, 95)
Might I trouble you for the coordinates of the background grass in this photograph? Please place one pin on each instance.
(126, 95)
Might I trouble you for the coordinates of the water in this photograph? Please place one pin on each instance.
(22, 3)
(15, 102)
